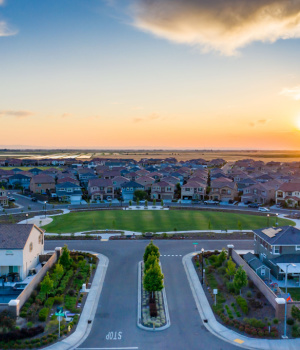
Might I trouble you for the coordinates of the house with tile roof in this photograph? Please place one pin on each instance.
(162, 190)
(223, 189)
(128, 189)
(289, 193)
(42, 184)
(100, 189)
(69, 192)
(193, 190)
(20, 248)
(3, 198)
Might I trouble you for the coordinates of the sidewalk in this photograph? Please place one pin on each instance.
(43, 219)
(88, 313)
(228, 335)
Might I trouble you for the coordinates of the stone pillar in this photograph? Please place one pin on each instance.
(230, 248)
(280, 308)
(14, 308)
(58, 252)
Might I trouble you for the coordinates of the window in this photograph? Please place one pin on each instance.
(276, 250)
(30, 247)
(297, 247)
(263, 271)
(69, 189)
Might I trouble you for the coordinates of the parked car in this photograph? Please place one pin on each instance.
(253, 205)
(263, 209)
(212, 202)
(34, 199)
(11, 199)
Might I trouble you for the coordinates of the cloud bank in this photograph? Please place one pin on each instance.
(219, 25)
(5, 30)
(293, 93)
(16, 114)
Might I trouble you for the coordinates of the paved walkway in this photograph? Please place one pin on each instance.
(43, 219)
(228, 335)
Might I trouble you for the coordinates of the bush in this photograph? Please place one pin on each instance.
(254, 322)
(230, 287)
(43, 314)
(21, 334)
(221, 270)
(49, 302)
(249, 294)
(295, 313)
(295, 331)
(258, 295)
(242, 304)
(29, 324)
(290, 321)
(58, 299)
(275, 321)
(251, 284)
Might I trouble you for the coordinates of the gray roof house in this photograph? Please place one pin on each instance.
(70, 192)
(261, 270)
(272, 243)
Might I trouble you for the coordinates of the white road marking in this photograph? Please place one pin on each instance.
(130, 348)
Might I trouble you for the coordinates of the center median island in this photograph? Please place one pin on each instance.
(153, 314)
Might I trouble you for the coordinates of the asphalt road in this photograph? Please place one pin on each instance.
(117, 308)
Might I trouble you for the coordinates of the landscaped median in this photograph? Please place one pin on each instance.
(153, 313)
(216, 328)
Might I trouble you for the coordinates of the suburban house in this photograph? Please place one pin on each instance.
(146, 181)
(162, 190)
(20, 248)
(260, 269)
(100, 189)
(128, 189)
(69, 192)
(277, 247)
(289, 193)
(223, 190)
(259, 193)
(3, 198)
(19, 180)
(35, 171)
(193, 190)
(42, 184)
(118, 181)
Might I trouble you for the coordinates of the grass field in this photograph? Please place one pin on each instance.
(156, 221)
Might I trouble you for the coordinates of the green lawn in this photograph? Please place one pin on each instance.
(295, 293)
(156, 221)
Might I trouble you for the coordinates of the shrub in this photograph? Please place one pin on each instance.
(249, 294)
(49, 302)
(295, 313)
(58, 299)
(258, 295)
(29, 324)
(290, 321)
(230, 287)
(254, 322)
(251, 284)
(275, 321)
(242, 304)
(43, 314)
(221, 270)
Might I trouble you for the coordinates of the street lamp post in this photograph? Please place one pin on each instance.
(202, 251)
(276, 219)
(285, 306)
(45, 209)
(26, 218)
(268, 221)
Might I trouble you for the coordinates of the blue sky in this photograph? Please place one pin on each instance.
(77, 68)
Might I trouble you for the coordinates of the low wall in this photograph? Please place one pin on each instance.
(260, 284)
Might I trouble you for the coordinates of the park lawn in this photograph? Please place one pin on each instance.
(156, 221)
(295, 293)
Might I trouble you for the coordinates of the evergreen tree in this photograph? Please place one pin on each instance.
(149, 249)
(240, 279)
(46, 284)
(153, 279)
(58, 271)
(222, 257)
(152, 258)
(65, 259)
(230, 268)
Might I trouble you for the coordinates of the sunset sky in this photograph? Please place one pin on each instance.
(192, 74)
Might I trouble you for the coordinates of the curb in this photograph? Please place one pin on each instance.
(139, 323)
(220, 331)
(87, 316)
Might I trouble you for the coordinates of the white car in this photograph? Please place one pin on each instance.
(263, 209)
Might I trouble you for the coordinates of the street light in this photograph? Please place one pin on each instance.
(26, 218)
(45, 209)
(285, 307)
(202, 251)
(276, 219)
(268, 216)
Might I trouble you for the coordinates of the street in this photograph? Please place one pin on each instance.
(116, 317)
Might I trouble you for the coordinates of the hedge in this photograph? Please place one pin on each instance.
(242, 304)
(43, 314)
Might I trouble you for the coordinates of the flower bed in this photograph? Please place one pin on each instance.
(60, 287)
(248, 313)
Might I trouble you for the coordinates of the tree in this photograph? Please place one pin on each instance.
(178, 190)
(65, 259)
(162, 203)
(137, 201)
(153, 278)
(240, 279)
(152, 258)
(154, 202)
(240, 227)
(141, 195)
(151, 248)
(222, 257)
(46, 284)
(230, 268)
(58, 271)
(130, 203)
(209, 224)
